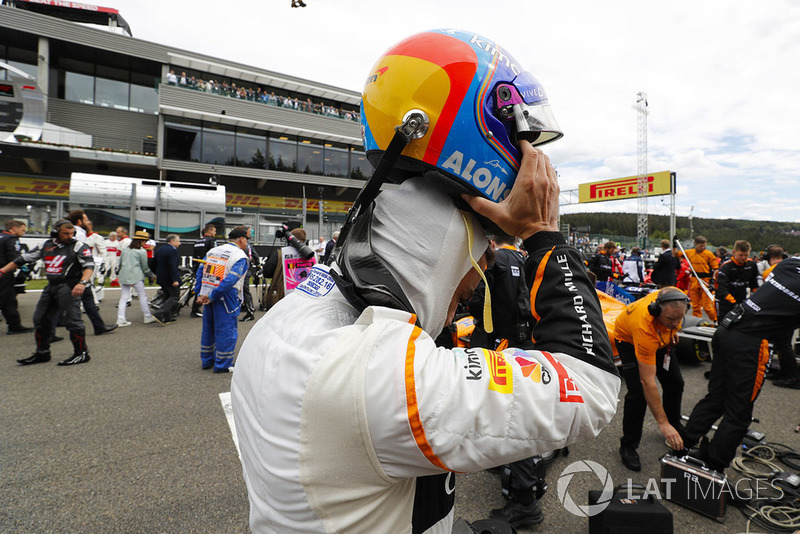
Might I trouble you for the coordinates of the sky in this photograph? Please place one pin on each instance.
(721, 78)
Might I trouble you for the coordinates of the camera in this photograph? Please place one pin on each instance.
(285, 232)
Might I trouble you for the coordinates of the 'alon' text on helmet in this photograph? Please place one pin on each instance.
(482, 43)
(481, 177)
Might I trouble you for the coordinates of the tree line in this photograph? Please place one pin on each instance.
(719, 232)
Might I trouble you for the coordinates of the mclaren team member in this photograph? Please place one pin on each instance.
(704, 263)
(349, 417)
(734, 277)
(789, 377)
(602, 262)
(69, 267)
(199, 251)
(219, 286)
(645, 333)
(741, 353)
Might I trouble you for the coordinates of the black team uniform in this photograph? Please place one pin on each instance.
(64, 264)
(10, 249)
(740, 358)
(732, 283)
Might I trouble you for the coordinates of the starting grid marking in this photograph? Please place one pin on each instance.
(227, 407)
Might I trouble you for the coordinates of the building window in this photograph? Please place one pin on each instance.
(182, 141)
(111, 93)
(309, 157)
(218, 146)
(144, 99)
(336, 161)
(79, 88)
(283, 154)
(251, 150)
(360, 169)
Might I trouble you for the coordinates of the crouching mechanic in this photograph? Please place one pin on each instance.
(348, 416)
(69, 267)
(741, 352)
(645, 333)
(219, 286)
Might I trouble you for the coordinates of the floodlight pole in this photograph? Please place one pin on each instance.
(641, 110)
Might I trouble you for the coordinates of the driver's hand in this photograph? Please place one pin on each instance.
(532, 205)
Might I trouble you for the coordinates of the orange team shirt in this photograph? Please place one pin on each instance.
(637, 327)
(703, 262)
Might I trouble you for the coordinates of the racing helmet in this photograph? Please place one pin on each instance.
(475, 102)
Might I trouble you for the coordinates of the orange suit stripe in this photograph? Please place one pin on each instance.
(537, 282)
(411, 400)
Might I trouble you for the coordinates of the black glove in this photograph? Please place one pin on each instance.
(675, 242)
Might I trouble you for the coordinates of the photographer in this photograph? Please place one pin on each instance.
(287, 266)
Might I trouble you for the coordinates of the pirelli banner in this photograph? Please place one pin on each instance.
(658, 183)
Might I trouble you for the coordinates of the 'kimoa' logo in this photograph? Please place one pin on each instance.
(481, 177)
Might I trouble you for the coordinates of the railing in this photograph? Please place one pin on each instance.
(64, 138)
(262, 97)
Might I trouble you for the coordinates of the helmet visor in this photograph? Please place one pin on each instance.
(535, 123)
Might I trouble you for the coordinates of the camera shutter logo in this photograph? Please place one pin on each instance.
(585, 466)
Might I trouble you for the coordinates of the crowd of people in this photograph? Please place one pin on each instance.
(354, 408)
(260, 95)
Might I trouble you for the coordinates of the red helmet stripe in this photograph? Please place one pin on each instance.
(460, 62)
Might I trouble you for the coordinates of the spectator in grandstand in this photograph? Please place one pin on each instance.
(171, 78)
(664, 271)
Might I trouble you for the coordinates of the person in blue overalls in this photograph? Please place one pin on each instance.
(219, 285)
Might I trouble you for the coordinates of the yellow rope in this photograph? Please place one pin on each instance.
(488, 325)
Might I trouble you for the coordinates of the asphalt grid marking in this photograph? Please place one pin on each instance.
(227, 407)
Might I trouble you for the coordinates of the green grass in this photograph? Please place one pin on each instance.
(39, 284)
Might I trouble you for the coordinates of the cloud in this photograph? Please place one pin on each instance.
(720, 75)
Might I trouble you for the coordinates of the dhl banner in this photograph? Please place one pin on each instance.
(284, 203)
(32, 187)
(658, 183)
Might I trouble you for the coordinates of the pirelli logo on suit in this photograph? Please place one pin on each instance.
(658, 183)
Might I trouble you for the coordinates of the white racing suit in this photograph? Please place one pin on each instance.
(341, 429)
(98, 246)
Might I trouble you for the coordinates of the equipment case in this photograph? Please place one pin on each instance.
(635, 515)
(695, 486)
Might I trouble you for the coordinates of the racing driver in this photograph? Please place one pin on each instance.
(349, 417)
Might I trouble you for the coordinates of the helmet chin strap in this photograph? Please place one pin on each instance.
(414, 126)
(488, 325)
